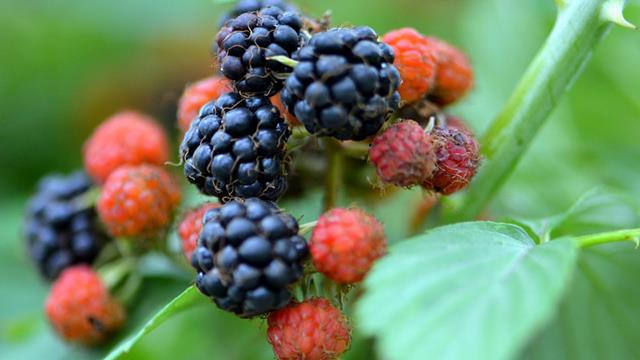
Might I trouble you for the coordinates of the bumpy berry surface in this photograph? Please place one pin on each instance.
(80, 308)
(345, 84)
(403, 154)
(312, 330)
(457, 159)
(138, 201)
(190, 227)
(236, 148)
(345, 243)
(248, 254)
(244, 6)
(198, 94)
(416, 61)
(126, 138)
(454, 76)
(61, 227)
(246, 43)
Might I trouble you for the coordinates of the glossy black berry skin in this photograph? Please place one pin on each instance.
(248, 253)
(244, 6)
(60, 228)
(246, 43)
(236, 149)
(345, 84)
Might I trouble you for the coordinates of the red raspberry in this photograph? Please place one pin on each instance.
(80, 308)
(454, 76)
(457, 156)
(190, 227)
(403, 154)
(198, 94)
(345, 243)
(138, 201)
(312, 330)
(126, 138)
(415, 60)
(291, 119)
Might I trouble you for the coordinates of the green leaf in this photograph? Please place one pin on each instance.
(598, 318)
(187, 299)
(596, 211)
(475, 290)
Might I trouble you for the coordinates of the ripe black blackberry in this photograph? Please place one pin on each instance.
(248, 253)
(236, 148)
(246, 42)
(345, 84)
(61, 229)
(244, 6)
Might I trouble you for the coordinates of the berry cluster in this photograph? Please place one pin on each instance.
(236, 149)
(277, 69)
(247, 255)
(71, 219)
(345, 85)
(61, 226)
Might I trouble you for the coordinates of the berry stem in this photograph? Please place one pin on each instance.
(578, 29)
(307, 227)
(333, 177)
(609, 237)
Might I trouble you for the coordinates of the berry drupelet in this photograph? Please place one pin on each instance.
(244, 6)
(248, 254)
(236, 148)
(247, 42)
(61, 227)
(345, 84)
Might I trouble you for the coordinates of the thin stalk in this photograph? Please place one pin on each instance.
(578, 29)
(609, 237)
(333, 176)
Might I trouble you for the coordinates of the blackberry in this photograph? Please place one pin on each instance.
(345, 84)
(244, 6)
(246, 43)
(236, 148)
(60, 228)
(248, 253)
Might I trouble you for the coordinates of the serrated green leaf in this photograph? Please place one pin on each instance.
(187, 299)
(598, 318)
(598, 210)
(466, 291)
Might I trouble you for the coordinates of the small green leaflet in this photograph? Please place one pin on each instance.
(476, 290)
(187, 299)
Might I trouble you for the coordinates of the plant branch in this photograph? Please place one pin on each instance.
(333, 176)
(609, 237)
(578, 29)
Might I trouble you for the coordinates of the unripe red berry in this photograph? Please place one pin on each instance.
(311, 330)
(458, 156)
(454, 77)
(80, 308)
(126, 138)
(345, 243)
(403, 154)
(191, 226)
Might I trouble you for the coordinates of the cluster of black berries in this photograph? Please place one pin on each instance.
(247, 44)
(61, 228)
(236, 149)
(248, 253)
(345, 84)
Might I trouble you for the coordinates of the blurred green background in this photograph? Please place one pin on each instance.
(67, 65)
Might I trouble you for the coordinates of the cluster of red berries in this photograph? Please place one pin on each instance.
(123, 194)
(278, 68)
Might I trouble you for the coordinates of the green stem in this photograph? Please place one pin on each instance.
(568, 48)
(609, 237)
(333, 177)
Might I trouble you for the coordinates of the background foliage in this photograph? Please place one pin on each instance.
(65, 66)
